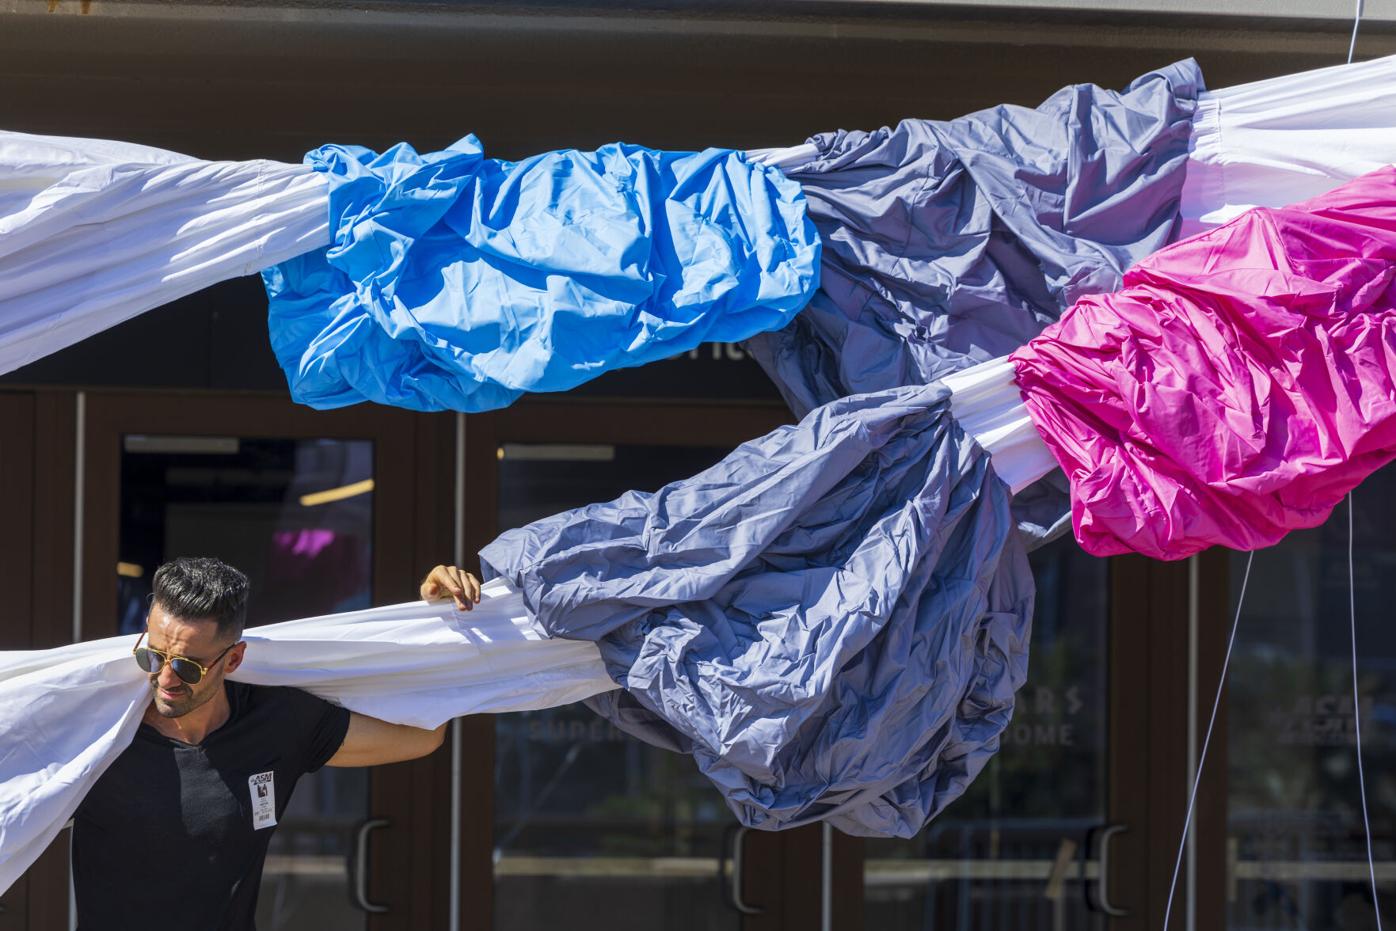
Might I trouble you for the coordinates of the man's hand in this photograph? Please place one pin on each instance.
(371, 742)
(451, 582)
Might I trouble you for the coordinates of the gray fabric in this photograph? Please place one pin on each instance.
(832, 620)
(1043, 510)
(948, 243)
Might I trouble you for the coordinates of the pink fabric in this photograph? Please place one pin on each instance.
(1236, 387)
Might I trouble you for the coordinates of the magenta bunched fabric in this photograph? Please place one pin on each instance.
(1236, 387)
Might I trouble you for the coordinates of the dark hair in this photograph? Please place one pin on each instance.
(196, 588)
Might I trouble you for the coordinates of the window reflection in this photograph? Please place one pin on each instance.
(991, 860)
(1296, 853)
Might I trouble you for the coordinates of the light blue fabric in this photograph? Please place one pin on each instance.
(456, 281)
(833, 620)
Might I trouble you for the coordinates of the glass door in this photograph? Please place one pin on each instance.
(593, 829)
(1020, 850)
(1073, 825)
(589, 828)
(317, 509)
(1296, 854)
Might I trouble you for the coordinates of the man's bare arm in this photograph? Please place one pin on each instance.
(371, 742)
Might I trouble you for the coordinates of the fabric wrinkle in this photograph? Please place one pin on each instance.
(825, 563)
(1003, 218)
(595, 260)
(1281, 140)
(1236, 388)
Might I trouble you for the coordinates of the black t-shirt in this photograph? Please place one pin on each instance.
(176, 835)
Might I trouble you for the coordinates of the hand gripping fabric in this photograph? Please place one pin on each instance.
(833, 620)
(1236, 388)
(456, 281)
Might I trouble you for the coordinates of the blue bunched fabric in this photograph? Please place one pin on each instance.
(833, 620)
(456, 281)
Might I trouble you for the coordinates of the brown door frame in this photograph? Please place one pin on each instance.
(782, 871)
(36, 510)
(16, 577)
(783, 877)
(412, 529)
(1167, 640)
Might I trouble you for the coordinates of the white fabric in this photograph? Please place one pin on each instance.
(67, 713)
(93, 233)
(786, 158)
(986, 401)
(1286, 139)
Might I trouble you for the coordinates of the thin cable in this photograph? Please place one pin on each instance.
(1206, 742)
(1356, 21)
(1352, 627)
(1357, 719)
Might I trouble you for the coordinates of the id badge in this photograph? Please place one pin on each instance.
(263, 789)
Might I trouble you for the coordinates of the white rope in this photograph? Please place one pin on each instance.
(1357, 720)
(1352, 629)
(1356, 21)
(1206, 742)
(1226, 663)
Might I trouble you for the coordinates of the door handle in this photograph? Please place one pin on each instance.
(361, 865)
(1101, 901)
(735, 841)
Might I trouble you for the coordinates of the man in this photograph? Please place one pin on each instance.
(176, 830)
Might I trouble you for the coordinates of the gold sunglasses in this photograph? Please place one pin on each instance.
(189, 671)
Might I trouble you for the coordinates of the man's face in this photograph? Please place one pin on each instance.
(194, 639)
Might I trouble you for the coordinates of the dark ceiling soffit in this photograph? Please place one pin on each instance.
(868, 19)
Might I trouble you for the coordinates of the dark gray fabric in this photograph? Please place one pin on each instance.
(949, 243)
(1043, 510)
(832, 620)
